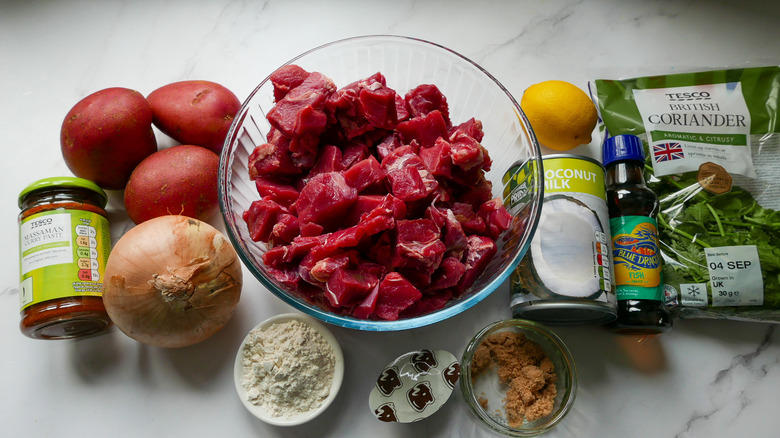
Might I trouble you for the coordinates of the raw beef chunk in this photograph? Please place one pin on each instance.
(317, 266)
(300, 115)
(388, 144)
(480, 251)
(477, 192)
(261, 217)
(344, 238)
(409, 179)
(363, 106)
(471, 127)
(381, 250)
(324, 200)
(365, 174)
(278, 191)
(454, 238)
(468, 219)
(407, 184)
(285, 79)
(418, 245)
(285, 229)
(429, 302)
(448, 275)
(348, 287)
(310, 229)
(310, 95)
(273, 158)
(425, 129)
(438, 159)
(378, 107)
(496, 218)
(377, 220)
(354, 151)
(427, 98)
(467, 153)
(362, 205)
(367, 207)
(287, 277)
(329, 160)
(395, 294)
(401, 112)
(283, 255)
(420, 280)
(365, 309)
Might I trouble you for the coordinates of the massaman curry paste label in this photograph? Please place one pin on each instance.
(636, 259)
(62, 247)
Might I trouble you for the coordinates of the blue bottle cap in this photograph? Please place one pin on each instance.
(624, 147)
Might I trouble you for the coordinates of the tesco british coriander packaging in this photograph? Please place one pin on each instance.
(713, 144)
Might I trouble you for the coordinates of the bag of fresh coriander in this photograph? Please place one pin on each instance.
(713, 157)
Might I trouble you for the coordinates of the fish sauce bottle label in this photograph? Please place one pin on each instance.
(636, 261)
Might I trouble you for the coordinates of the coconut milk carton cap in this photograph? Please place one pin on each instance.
(624, 147)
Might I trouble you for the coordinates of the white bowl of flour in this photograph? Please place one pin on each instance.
(288, 369)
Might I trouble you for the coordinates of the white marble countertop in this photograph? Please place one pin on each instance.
(703, 379)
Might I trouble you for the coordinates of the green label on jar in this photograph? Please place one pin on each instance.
(62, 253)
(636, 260)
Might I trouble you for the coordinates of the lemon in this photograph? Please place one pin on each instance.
(561, 114)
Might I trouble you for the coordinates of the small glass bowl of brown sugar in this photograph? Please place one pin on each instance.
(518, 378)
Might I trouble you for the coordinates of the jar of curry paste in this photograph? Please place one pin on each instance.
(64, 241)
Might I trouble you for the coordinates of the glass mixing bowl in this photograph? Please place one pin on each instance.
(405, 62)
(486, 394)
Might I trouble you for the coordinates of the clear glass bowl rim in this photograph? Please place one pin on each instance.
(377, 325)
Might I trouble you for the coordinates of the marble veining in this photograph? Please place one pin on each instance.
(705, 378)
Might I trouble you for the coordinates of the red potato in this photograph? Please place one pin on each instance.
(106, 134)
(180, 180)
(195, 112)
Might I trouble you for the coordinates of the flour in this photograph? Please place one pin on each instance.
(288, 368)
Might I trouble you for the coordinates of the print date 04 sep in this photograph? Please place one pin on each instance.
(732, 264)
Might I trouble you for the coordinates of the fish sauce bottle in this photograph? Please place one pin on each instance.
(633, 211)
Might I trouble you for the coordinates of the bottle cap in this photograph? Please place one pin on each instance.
(624, 147)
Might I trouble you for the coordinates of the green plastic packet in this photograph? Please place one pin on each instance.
(713, 157)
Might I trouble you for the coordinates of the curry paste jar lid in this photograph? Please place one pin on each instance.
(58, 182)
(414, 386)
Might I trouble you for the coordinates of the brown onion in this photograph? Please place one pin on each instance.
(172, 281)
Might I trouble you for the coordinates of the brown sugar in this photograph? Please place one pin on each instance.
(523, 367)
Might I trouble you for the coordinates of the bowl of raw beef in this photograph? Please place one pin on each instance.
(381, 183)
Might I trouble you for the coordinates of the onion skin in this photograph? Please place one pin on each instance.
(172, 281)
